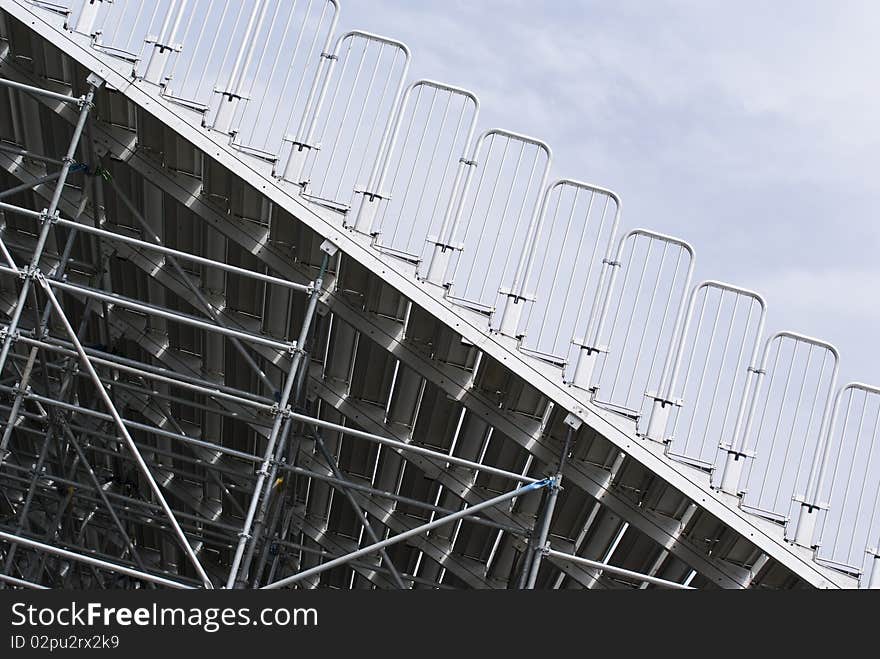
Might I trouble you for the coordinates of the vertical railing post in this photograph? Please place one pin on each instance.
(301, 140)
(443, 247)
(165, 42)
(517, 294)
(230, 93)
(805, 532)
(737, 452)
(663, 401)
(374, 192)
(88, 16)
(589, 348)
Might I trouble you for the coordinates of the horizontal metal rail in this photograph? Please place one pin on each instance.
(141, 307)
(378, 439)
(22, 583)
(400, 537)
(90, 560)
(5, 82)
(605, 567)
(403, 446)
(168, 251)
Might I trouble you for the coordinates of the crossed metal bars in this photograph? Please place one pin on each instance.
(33, 274)
(516, 293)
(88, 357)
(281, 409)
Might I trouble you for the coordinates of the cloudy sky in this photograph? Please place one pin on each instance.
(748, 128)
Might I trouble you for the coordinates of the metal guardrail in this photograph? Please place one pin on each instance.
(717, 344)
(576, 218)
(787, 419)
(850, 531)
(642, 319)
(497, 208)
(417, 179)
(479, 219)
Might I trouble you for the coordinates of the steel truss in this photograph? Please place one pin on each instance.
(50, 364)
(54, 422)
(200, 391)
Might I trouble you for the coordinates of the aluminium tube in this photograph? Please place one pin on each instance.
(120, 424)
(419, 530)
(89, 560)
(85, 107)
(276, 427)
(605, 567)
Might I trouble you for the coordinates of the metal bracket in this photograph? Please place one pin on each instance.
(676, 402)
(572, 421)
(373, 195)
(95, 81)
(297, 145)
(31, 272)
(45, 217)
(579, 342)
(24, 393)
(329, 248)
(435, 240)
(230, 94)
(802, 499)
(739, 454)
(174, 48)
(525, 297)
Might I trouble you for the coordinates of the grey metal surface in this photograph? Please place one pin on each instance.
(423, 392)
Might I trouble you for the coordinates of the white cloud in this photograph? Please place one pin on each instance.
(749, 128)
(839, 294)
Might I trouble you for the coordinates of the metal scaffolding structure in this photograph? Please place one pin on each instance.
(269, 320)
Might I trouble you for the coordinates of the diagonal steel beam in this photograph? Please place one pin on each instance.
(281, 415)
(89, 560)
(6, 255)
(22, 583)
(613, 569)
(206, 306)
(103, 495)
(419, 530)
(145, 470)
(30, 155)
(30, 185)
(359, 512)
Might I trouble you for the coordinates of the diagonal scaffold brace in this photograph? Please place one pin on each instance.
(282, 413)
(123, 431)
(418, 530)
